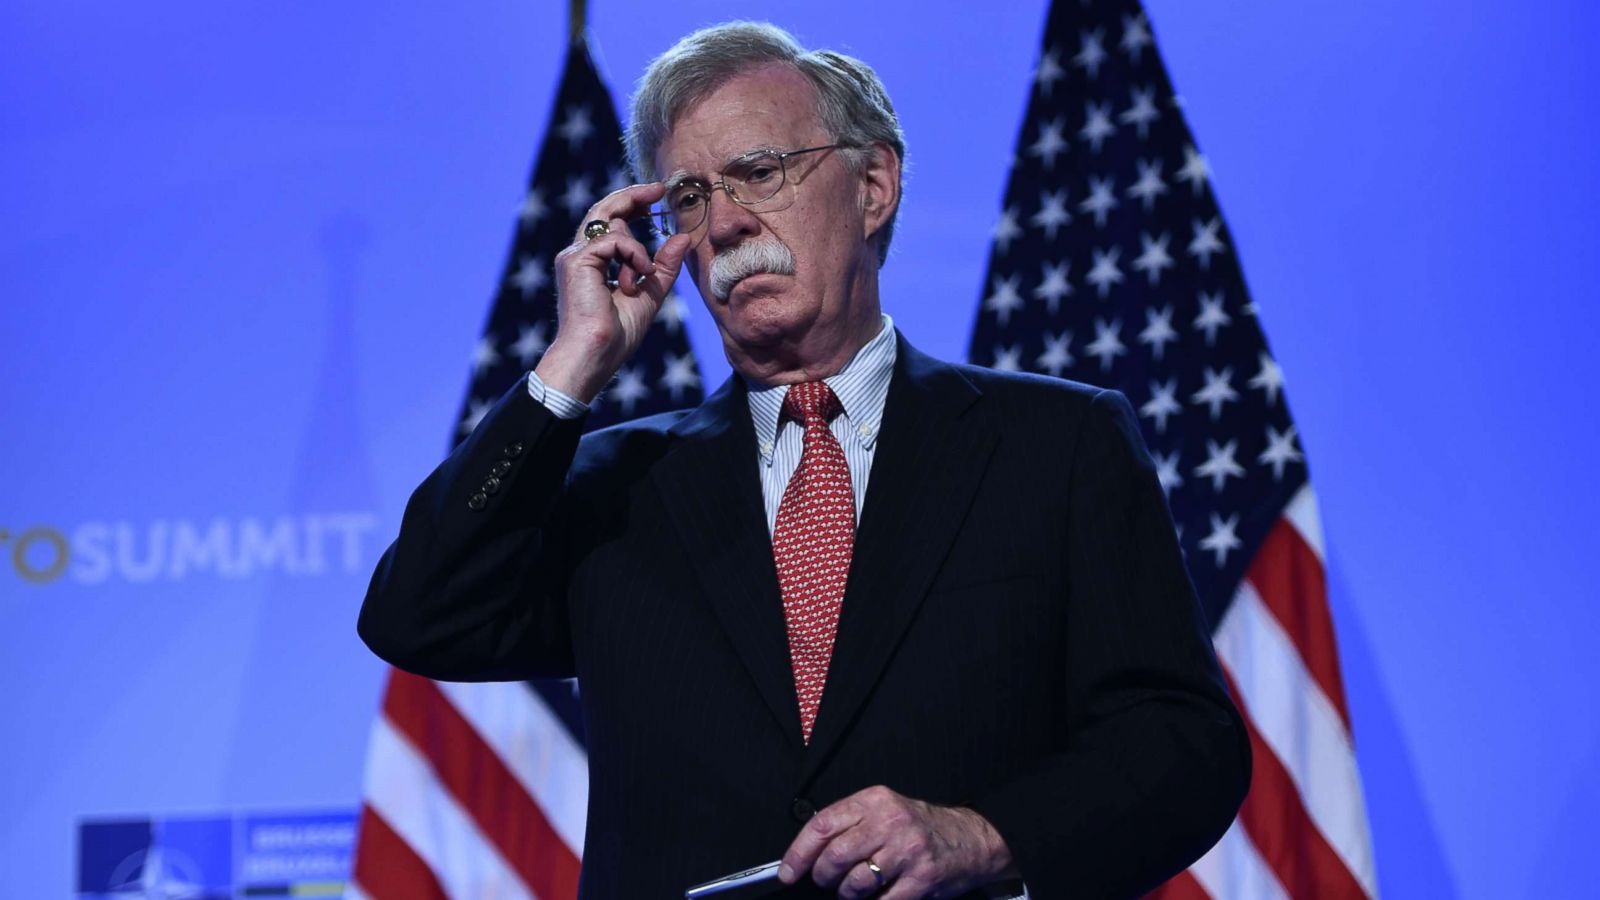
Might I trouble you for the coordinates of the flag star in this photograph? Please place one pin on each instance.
(1149, 185)
(1056, 356)
(1212, 316)
(672, 312)
(1091, 51)
(1006, 230)
(1269, 379)
(1167, 472)
(629, 389)
(1005, 298)
(1154, 257)
(1142, 112)
(576, 128)
(1050, 142)
(578, 196)
(1222, 538)
(1097, 124)
(1217, 390)
(1195, 169)
(1163, 402)
(1280, 451)
(1054, 284)
(1220, 464)
(1052, 213)
(1007, 359)
(1135, 36)
(1107, 343)
(1104, 273)
(1158, 330)
(484, 356)
(533, 208)
(1206, 241)
(1101, 200)
(530, 276)
(616, 179)
(680, 374)
(530, 343)
(476, 410)
(1049, 70)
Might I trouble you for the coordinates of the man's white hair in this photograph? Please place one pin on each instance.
(852, 104)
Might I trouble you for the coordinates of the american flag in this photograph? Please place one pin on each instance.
(481, 790)
(1111, 264)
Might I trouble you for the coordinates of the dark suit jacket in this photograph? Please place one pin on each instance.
(1018, 633)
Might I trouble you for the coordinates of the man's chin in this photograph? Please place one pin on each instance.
(761, 319)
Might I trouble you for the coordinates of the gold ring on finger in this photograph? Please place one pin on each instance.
(877, 873)
(596, 228)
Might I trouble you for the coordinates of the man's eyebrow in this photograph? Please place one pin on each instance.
(673, 181)
(676, 179)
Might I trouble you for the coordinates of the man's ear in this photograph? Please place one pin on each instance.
(880, 187)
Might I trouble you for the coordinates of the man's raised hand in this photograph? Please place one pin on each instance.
(600, 325)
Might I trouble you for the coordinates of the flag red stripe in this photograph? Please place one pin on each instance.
(1183, 886)
(1289, 577)
(484, 786)
(1288, 840)
(386, 868)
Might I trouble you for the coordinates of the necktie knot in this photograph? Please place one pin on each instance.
(810, 400)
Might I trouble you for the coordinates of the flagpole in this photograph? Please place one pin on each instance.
(577, 20)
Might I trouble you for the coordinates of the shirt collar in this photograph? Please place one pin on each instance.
(862, 386)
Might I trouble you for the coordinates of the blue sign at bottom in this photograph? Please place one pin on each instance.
(216, 858)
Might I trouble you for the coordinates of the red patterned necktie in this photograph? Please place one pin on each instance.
(812, 542)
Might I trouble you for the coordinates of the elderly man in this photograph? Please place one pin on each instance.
(914, 628)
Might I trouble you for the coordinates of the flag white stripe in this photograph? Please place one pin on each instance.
(1234, 870)
(401, 788)
(1300, 725)
(535, 746)
(1303, 514)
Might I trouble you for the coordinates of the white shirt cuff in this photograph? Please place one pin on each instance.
(564, 406)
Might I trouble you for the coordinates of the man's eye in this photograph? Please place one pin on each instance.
(761, 173)
(683, 201)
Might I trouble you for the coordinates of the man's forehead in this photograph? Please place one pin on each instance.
(765, 109)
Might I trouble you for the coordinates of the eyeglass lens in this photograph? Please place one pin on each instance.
(749, 181)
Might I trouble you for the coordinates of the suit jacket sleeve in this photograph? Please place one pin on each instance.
(474, 589)
(1153, 760)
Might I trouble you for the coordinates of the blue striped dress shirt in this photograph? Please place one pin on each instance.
(862, 386)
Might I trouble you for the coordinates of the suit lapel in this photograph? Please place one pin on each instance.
(712, 491)
(926, 468)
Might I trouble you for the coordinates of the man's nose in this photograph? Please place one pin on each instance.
(728, 222)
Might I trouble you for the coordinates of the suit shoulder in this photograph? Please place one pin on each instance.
(1027, 388)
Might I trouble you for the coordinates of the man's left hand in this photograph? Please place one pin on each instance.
(919, 849)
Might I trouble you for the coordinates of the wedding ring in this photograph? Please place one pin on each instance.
(876, 873)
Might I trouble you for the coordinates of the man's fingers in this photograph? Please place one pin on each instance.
(815, 837)
(630, 202)
(668, 260)
(846, 853)
(860, 881)
(905, 889)
(620, 246)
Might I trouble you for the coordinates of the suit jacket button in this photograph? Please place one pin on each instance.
(802, 810)
(491, 485)
(477, 501)
(501, 468)
(514, 449)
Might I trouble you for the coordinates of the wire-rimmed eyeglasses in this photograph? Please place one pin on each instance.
(750, 180)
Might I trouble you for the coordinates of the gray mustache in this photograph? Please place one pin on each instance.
(750, 258)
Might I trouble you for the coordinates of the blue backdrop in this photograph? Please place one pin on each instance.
(247, 248)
